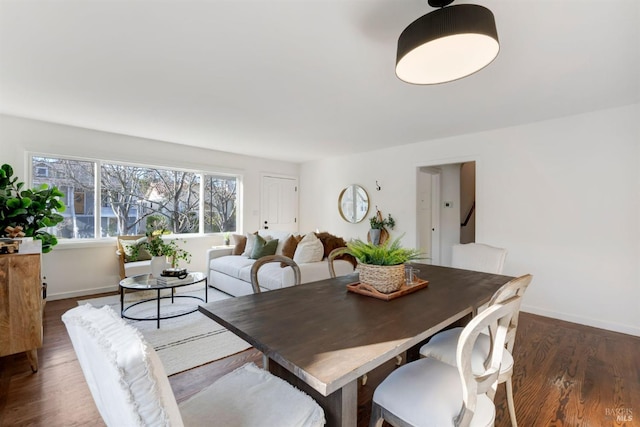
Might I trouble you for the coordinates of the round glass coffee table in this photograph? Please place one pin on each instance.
(146, 282)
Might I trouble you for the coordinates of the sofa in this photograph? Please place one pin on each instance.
(230, 267)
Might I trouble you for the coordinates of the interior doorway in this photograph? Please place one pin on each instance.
(446, 200)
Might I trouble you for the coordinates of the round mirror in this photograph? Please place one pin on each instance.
(353, 203)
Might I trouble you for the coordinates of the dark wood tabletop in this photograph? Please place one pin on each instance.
(327, 336)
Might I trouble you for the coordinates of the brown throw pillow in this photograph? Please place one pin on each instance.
(330, 242)
(289, 247)
(239, 241)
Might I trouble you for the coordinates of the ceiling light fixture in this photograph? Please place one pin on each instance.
(447, 44)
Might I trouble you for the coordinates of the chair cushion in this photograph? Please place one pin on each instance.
(231, 265)
(428, 392)
(136, 268)
(443, 346)
(250, 396)
(126, 378)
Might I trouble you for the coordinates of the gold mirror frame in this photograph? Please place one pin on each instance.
(353, 203)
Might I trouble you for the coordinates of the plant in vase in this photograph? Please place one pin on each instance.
(227, 238)
(378, 224)
(160, 249)
(31, 210)
(382, 266)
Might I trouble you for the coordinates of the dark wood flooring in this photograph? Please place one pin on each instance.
(565, 375)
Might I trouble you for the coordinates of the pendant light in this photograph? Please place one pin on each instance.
(447, 44)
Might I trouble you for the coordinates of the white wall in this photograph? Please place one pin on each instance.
(82, 269)
(561, 195)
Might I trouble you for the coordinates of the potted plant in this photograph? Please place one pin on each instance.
(31, 209)
(378, 224)
(381, 266)
(159, 249)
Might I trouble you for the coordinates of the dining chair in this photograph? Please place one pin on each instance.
(273, 258)
(429, 392)
(330, 258)
(130, 387)
(478, 257)
(284, 260)
(442, 346)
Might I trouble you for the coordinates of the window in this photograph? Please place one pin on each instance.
(132, 195)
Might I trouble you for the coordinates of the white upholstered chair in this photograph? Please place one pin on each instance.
(273, 258)
(130, 387)
(443, 345)
(429, 392)
(478, 257)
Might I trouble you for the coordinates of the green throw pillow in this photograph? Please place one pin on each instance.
(264, 248)
(128, 245)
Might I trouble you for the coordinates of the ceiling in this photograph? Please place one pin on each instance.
(301, 79)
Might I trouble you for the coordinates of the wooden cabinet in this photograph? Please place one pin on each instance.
(21, 306)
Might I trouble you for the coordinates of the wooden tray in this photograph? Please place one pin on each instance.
(364, 289)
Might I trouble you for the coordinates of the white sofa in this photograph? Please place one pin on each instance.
(232, 273)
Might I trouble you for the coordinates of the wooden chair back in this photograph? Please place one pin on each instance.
(121, 252)
(478, 257)
(515, 287)
(273, 258)
(497, 318)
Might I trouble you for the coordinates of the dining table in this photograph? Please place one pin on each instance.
(321, 337)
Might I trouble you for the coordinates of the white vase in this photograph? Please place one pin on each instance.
(158, 263)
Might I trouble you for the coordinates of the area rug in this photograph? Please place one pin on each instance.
(183, 342)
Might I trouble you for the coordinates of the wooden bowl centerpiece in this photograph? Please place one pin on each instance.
(381, 266)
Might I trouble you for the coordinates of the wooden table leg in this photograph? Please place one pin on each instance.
(340, 407)
(32, 357)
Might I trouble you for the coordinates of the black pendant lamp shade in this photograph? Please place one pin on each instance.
(447, 44)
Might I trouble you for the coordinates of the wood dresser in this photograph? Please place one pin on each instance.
(21, 305)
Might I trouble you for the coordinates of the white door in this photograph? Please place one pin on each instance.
(428, 215)
(279, 204)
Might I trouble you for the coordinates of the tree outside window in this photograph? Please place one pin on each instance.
(130, 195)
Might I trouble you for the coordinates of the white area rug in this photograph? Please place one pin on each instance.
(182, 342)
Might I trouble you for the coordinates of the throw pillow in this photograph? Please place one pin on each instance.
(127, 247)
(289, 247)
(309, 249)
(251, 241)
(330, 242)
(263, 247)
(240, 242)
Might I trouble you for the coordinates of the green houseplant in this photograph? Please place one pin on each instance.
(381, 266)
(378, 227)
(32, 209)
(158, 247)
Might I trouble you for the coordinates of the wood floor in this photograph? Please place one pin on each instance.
(565, 375)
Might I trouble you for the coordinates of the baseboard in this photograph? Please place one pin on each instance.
(81, 293)
(610, 326)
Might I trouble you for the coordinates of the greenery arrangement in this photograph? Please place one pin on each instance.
(388, 253)
(377, 222)
(156, 246)
(32, 209)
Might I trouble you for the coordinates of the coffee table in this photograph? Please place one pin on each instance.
(146, 282)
